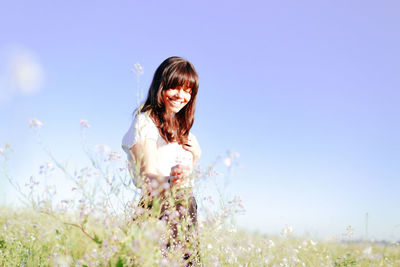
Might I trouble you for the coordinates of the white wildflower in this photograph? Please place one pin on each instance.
(228, 161)
(288, 230)
(34, 124)
(154, 184)
(232, 229)
(138, 69)
(114, 156)
(102, 150)
(61, 261)
(84, 124)
(367, 251)
(349, 231)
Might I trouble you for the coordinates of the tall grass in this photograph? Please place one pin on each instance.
(94, 226)
(99, 222)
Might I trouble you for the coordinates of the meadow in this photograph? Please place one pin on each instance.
(100, 223)
(29, 238)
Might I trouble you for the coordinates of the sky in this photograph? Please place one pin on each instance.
(306, 92)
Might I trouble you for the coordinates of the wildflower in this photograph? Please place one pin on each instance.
(84, 124)
(102, 149)
(32, 183)
(228, 162)
(138, 69)
(2, 152)
(94, 253)
(47, 167)
(288, 230)
(367, 251)
(139, 211)
(34, 124)
(232, 229)
(230, 158)
(349, 231)
(165, 186)
(164, 262)
(214, 260)
(114, 156)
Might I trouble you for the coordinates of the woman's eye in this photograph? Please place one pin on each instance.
(187, 90)
(177, 89)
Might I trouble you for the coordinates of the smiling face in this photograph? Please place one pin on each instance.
(176, 98)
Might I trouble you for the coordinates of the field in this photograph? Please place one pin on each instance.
(28, 238)
(94, 226)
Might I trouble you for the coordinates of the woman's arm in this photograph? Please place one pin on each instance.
(194, 147)
(144, 154)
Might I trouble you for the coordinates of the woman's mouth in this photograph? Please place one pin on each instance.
(175, 103)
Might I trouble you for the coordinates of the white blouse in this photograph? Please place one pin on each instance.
(168, 154)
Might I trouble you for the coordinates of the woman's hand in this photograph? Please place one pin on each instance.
(178, 174)
(194, 147)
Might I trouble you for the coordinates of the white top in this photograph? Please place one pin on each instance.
(168, 154)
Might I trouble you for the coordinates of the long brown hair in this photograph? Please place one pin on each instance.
(173, 72)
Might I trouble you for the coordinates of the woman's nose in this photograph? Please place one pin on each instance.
(180, 93)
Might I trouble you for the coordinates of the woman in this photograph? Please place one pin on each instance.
(162, 150)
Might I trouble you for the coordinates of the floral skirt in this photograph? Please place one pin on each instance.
(178, 208)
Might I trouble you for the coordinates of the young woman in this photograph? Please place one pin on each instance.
(162, 150)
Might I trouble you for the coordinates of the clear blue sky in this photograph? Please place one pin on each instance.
(306, 91)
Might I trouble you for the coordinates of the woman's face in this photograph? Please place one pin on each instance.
(176, 98)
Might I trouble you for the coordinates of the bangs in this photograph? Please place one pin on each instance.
(182, 75)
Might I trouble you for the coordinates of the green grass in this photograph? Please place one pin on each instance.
(94, 227)
(31, 238)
